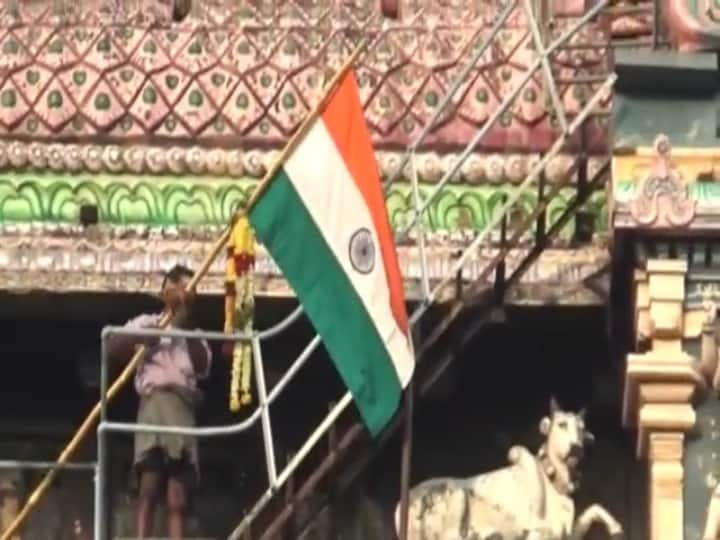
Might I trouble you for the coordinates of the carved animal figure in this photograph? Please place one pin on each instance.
(528, 500)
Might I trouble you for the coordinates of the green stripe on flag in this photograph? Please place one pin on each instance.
(289, 233)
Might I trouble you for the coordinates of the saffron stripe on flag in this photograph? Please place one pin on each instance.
(345, 122)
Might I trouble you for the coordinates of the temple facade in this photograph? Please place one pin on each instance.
(564, 154)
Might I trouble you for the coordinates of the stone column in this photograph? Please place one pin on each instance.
(665, 452)
(659, 384)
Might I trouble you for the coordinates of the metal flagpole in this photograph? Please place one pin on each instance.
(407, 446)
(406, 460)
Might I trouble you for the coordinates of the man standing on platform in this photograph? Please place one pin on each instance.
(166, 381)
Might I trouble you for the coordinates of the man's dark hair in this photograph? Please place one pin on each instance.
(175, 274)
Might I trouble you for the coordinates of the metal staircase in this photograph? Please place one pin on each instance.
(461, 318)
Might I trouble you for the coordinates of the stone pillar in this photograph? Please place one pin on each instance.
(665, 452)
(659, 385)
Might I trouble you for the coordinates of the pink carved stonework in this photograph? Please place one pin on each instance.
(243, 74)
(661, 198)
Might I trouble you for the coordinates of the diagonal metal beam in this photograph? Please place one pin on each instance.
(545, 63)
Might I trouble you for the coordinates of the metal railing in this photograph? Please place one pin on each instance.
(19, 464)
(265, 399)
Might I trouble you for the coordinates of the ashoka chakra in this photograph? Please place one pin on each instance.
(362, 251)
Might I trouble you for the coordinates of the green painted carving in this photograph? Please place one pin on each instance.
(167, 201)
(706, 193)
(120, 201)
(623, 190)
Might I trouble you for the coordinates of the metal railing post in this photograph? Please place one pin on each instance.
(419, 228)
(264, 413)
(545, 63)
(100, 524)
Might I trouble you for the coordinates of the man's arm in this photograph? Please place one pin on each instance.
(201, 357)
(121, 347)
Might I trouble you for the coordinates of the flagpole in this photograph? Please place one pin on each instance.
(217, 247)
(406, 461)
(407, 447)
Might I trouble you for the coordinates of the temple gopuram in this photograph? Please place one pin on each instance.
(549, 170)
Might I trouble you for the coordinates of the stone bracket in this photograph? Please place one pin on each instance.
(658, 392)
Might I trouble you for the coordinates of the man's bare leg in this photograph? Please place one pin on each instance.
(176, 505)
(150, 484)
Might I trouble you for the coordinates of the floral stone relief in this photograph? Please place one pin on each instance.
(430, 167)
(661, 187)
(172, 201)
(247, 73)
(707, 194)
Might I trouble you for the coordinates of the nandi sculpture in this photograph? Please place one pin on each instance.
(528, 500)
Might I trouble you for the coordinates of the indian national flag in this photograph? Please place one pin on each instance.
(323, 220)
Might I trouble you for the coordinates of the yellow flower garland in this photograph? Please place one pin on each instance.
(240, 307)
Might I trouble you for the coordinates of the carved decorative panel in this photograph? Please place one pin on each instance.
(247, 75)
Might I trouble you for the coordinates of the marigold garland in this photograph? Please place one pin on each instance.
(240, 307)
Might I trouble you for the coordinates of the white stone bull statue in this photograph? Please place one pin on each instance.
(528, 500)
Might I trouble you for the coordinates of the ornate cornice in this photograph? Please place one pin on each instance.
(227, 13)
(111, 261)
(245, 74)
(181, 203)
(479, 168)
(664, 188)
